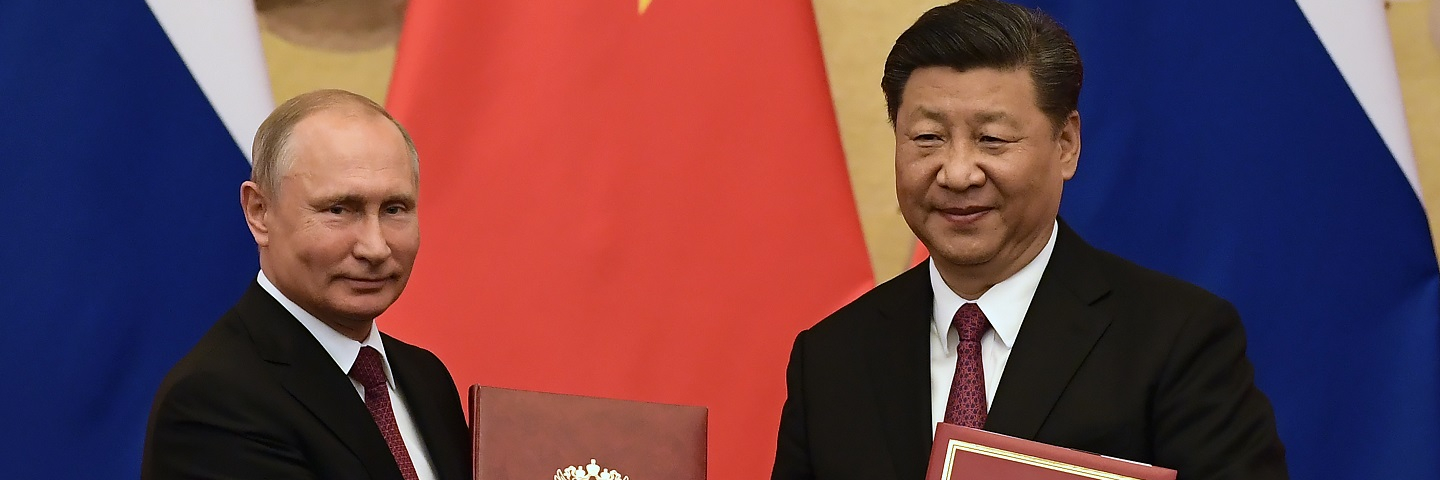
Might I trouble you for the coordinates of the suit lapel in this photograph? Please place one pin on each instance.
(426, 408)
(310, 375)
(1057, 334)
(899, 370)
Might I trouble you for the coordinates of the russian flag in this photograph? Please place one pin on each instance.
(1258, 149)
(124, 132)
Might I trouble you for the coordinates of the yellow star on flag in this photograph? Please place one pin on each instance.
(643, 4)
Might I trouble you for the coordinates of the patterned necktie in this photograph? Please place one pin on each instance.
(370, 372)
(966, 407)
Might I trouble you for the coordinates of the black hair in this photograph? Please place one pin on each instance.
(989, 34)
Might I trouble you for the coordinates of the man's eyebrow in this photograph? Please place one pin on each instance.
(981, 118)
(404, 198)
(934, 115)
(342, 198)
(347, 198)
(987, 117)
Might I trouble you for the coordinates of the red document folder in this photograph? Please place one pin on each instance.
(533, 435)
(961, 453)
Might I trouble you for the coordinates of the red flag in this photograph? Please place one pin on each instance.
(622, 201)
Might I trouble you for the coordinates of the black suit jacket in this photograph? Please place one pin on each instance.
(258, 397)
(1111, 358)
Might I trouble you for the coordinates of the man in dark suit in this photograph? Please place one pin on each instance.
(1015, 325)
(296, 381)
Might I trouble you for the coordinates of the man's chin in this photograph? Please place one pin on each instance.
(963, 257)
(366, 307)
(357, 286)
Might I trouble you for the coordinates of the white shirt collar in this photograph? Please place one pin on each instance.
(341, 348)
(1004, 304)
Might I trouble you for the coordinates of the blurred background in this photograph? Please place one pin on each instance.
(350, 44)
(648, 199)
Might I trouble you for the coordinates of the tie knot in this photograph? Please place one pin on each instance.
(369, 368)
(970, 323)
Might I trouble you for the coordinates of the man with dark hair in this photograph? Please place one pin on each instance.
(296, 381)
(1015, 325)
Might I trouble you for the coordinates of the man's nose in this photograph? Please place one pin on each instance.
(960, 169)
(370, 244)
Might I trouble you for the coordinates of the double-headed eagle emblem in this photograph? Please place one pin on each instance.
(588, 472)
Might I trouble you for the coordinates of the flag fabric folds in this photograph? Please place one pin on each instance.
(643, 203)
(1233, 144)
(124, 240)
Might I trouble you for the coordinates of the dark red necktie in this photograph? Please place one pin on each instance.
(370, 372)
(966, 407)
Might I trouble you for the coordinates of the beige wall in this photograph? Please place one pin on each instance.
(295, 69)
(1417, 59)
(856, 35)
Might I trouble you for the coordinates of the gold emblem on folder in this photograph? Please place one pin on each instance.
(588, 472)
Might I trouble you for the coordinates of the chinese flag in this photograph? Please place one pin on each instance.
(632, 201)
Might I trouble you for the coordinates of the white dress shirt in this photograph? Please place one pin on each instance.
(344, 350)
(1004, 305)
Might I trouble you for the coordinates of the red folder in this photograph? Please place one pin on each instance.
(966, 453)
(533, 435)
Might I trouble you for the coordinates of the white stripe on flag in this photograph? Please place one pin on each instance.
(1357, 36)
(220, 43)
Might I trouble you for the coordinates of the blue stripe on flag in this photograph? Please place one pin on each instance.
(1222, 145)
(124, 240)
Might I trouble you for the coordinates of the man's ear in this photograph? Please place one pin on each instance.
(256, 208)
(1069, 140)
